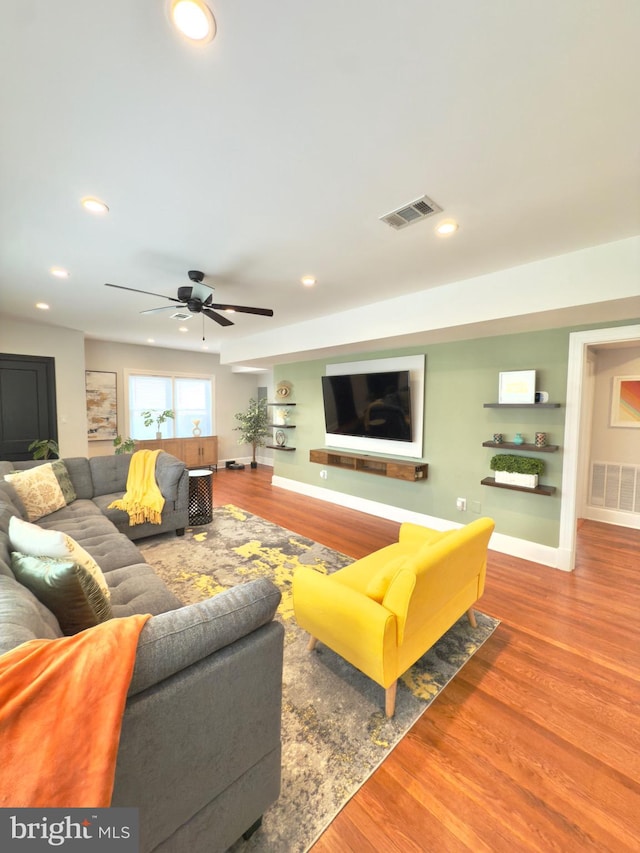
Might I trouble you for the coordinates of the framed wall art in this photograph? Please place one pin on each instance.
(517, 386)
(102, 405)
(625, 402)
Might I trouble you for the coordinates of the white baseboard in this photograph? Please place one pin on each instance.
(521, 548)
(612, 516)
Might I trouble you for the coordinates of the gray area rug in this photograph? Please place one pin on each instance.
(334, 730)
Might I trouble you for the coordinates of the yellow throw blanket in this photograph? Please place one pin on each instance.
(143, 500)
(61, 706)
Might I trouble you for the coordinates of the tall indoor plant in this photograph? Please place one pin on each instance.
(253, 426)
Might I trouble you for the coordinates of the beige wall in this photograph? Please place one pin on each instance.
(613, 444)
(232, 390)
(66, 346)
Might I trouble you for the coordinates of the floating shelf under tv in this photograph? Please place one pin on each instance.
(383, 466)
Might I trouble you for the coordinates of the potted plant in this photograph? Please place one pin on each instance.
(151, 415)
(253, 426)
(44, 447)
(517, 470)
(124, 445)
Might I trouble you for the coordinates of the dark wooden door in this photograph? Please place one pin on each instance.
(27, 403)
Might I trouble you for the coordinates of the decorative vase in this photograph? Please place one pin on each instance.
(497, 438)
(196, 427)
(158, 435)
(519, 438)
(541, 439)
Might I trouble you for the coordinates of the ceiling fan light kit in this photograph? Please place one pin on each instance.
(198, 299)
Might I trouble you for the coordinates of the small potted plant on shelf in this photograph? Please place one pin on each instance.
(253, 426)
(151, 415)
(517, 470)
(124, 445)
(44, 447)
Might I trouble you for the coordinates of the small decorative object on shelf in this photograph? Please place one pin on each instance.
(518, 438)
(281, 438)
(541, 439)
(196, 427)
(497, 438)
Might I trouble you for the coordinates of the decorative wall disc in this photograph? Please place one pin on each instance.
(283, 389)
(281, 438)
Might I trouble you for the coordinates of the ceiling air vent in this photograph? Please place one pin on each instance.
(413, 212)
(180, 315)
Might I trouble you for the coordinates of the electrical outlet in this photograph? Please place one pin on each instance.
(461, 504)
(324, 474)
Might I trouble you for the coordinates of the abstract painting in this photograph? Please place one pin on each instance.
(625, 402)
(102, 407)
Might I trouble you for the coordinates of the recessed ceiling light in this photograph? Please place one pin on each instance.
(42, 306)
(183, 329)
(151, 340)
(94, 205)
(194, 19)
(58, 272)
(447, 227)
(308, 280)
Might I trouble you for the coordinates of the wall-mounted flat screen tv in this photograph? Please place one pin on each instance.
(368, 405)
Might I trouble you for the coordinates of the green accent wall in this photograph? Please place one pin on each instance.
(459, 378)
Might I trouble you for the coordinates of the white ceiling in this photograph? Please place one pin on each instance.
(273, 151)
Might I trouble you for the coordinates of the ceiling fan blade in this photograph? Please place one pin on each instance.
(164, 308)
(244, 309)
(148, 292)
(219, 318)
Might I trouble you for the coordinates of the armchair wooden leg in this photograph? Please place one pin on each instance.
(471, 616)
(312, 643)
(390, 699)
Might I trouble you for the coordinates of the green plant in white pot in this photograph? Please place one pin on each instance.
(515, 470)
(253, 426)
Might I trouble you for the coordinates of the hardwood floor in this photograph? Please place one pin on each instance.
(535, 745)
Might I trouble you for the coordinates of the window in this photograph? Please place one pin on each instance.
(190, 398)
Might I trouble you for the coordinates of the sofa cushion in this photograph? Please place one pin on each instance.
(38, 489)
(23, 617)
(138, 589)
(64, 480)
(109, 473)
(33, 540)
(66, 588)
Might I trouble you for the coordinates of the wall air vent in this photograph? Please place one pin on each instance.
(180, 315)
(412, 212)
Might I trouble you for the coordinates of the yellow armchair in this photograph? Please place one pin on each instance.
(385, 611)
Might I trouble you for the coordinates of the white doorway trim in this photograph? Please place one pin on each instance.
(575, 438)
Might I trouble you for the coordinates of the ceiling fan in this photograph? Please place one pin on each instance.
(198, 299)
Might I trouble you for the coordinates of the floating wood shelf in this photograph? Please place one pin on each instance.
(383, 466)
(282, 426)
(279, 447)
(521, 405)
(510, 445)
(539, 490)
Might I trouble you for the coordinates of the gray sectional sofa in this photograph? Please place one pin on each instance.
(199, 752)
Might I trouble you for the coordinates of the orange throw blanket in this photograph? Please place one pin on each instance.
(61, 706)
(143, 499)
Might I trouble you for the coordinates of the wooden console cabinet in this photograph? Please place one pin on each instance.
(201, 452)
(383, 466)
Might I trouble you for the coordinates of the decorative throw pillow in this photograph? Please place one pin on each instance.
(38, 490)
(379, 583)
(66, 588)
(64, 480)
(33, 540)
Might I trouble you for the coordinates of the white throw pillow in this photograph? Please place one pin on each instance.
(38, 489)
(33, 540)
